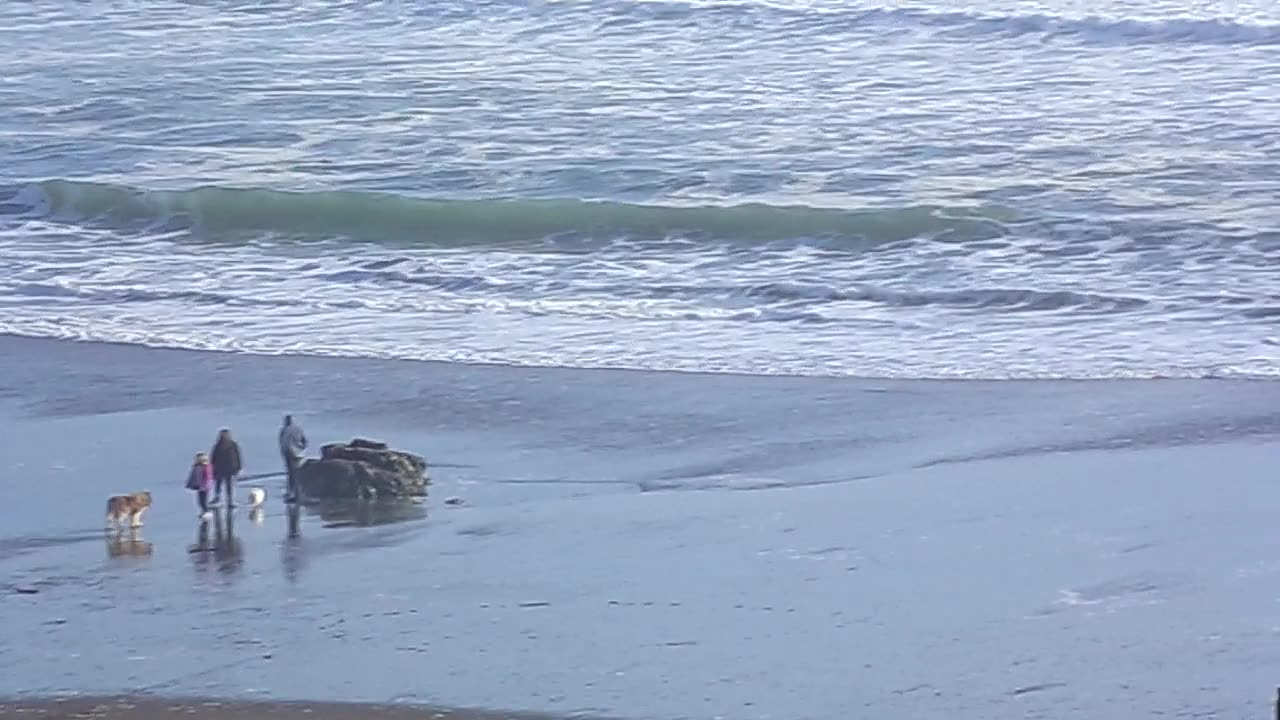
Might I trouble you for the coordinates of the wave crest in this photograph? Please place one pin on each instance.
(1009, 299)
(1092, 29)
(385, 217)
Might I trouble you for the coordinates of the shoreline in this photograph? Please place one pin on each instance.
(755, 549)
(148, 707)
(1209, 375)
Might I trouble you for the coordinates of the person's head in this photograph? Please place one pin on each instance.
(202, 459)
(224, 434)
(288, 419)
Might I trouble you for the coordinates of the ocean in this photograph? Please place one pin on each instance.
(990, 190)
(790, 359)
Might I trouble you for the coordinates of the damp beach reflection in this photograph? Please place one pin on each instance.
(225, 552)
(222, 542)
(128, 544)
(339, 515)
(292, 557)
(219, 545)
(366, 513)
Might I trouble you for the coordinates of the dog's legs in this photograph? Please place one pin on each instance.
(136, 520)
(111, 521)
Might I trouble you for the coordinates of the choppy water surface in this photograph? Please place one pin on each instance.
(989, 189)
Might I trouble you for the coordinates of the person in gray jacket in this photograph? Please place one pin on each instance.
(292, 442)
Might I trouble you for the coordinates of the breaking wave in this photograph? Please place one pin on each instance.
(385, 217)
(1092, 30)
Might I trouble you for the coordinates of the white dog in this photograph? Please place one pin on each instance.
(257, 496)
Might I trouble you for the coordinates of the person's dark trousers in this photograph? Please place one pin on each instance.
(202, 497)
(218, 484)
(291, 474)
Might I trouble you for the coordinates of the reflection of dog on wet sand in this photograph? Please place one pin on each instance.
(131, 506)
(130, 545)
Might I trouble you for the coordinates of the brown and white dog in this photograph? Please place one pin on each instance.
(129, 506)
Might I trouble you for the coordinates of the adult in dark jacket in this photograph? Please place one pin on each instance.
(225, 457)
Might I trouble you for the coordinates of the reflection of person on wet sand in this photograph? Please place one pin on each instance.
(226, 546)
(291, 549)
(201, 550)
(295, 514)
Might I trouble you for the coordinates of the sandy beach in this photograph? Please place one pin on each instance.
(770, 359)
(701, 547)
(144, 708)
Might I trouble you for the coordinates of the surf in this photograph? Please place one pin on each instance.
(227, 212)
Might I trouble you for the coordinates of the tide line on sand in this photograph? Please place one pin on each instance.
(122, 707)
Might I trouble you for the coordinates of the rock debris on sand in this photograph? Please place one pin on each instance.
(364, 469)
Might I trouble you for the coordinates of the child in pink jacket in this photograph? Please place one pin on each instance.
(200, 479)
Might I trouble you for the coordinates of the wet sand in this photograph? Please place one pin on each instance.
(148, 708)
(695, 548)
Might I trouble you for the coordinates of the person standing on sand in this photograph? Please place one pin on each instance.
(226, 466)
(200, 479)
(292, 442)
